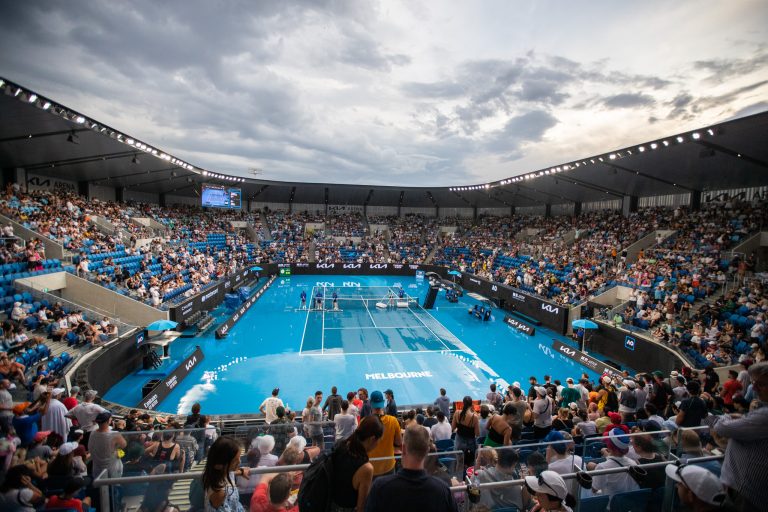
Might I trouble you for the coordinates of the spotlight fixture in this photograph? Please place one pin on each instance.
(73, 138)
(135, 160)
(680, 139)
(696, 136)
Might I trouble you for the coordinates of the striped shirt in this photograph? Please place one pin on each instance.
(745, 468)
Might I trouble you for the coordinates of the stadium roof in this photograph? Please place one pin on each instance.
(49, 139)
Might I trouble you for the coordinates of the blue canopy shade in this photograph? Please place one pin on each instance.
(583, 323)
(162, 325)
(257, 269)
(454, 273)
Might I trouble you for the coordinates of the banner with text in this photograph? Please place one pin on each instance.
(520, 325)
(164, 387)
(225, 326)
(583, 359)
(209, 298)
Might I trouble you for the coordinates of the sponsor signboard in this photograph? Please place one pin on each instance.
(208, 298)
(629, 343)
(520, 325)
(165, 386)
(240, 311)
(583, 359)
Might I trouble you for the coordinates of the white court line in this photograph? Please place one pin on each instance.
(369, 312)
(376, 353)
(430, 330)
(305, 324)
(322, 330)
(377, 327)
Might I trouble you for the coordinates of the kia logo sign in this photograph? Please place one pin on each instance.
(379, 266)
(326, 265)
(520, 326)
(568, 351)
(550, 308)
(192, 362)
(352, 265)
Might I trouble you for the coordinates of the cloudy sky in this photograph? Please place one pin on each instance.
(392, 92)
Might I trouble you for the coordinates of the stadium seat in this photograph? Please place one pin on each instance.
(633, 501)
(594, 504)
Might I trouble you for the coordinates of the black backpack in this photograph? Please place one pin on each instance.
(613, 401)
(315, 489)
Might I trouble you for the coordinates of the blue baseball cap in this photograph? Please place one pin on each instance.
(553, 436)
(377, 400)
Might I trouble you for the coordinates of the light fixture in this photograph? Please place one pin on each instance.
(32, 98)
(680, 138)
(72, 137)
(612, 156)
(135, 160)
(696, 135)
(79, 119)
(711, 131)
(665, 143)
(641, 149)
(654, 145)
(18, 91)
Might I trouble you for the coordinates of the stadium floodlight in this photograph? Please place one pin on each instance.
(666, 143)
(612, 156)
(46, 105)
(18, 91)
(32, 98)
(641, 149)
(79, 119)
(654, 145)
(680, 138)
(592, 160)
(695, 135)
(711, 131)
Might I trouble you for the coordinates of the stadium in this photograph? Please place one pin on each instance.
(591, 323)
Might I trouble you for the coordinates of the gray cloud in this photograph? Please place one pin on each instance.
(629, 100)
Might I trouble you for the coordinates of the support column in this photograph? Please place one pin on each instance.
(474, 213)
(437, 212)
(511, 211)
(696, 200)
(547, 211)
(161, 200)
(577, 208)
(628, 205)
(120, 194)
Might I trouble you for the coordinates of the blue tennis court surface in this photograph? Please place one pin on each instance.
(410, 350)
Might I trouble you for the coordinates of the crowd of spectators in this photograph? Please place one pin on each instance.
(55, 443)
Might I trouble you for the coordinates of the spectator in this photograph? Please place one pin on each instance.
(345, 422)
(332, 404)
(272, 493)
(744, 469)
(616, 448)
(353, 472)
(411, 488)
(542, 409)
(17, 488)
(391, 405)
(70, 402)
(693, 410)
(220, 492)
(505, 469)
(550, 491)
(103, 445)
(697, 488)
(269, 406)
(67, 499)
(502, 427)
(467, 427)
(281, 429)
(265, 445)
(443, 403)
(441, 430)
(390, 442)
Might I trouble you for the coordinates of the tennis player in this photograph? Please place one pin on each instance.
(303, 299)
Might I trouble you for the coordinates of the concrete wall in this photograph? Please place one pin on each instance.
(634, 249)
(141, 197)
(381, 228)
(53, 250)
(101, 192)
(95, 297)
(148, 222)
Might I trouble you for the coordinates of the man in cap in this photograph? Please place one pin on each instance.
(86, 412)
(103, 445)
(542, 409)
(550, 490)
(390, 441)
(745, 471)
(54, 417)
(411, 488)
(628, 400)
(698, 489)
(616, 448)
(26, 417)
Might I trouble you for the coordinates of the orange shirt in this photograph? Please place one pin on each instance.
(386, 446)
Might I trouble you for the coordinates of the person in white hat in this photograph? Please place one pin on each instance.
(551, 492)
(54, 418)
(628, 400)
(697, 488)
(542, 408)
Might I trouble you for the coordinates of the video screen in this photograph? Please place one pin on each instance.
(213, 196)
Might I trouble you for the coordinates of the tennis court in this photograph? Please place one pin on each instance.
(412, 351)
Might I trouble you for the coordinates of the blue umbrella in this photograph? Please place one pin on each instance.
(583, 323)
(162, 325)
(257, 269)
(454, 273)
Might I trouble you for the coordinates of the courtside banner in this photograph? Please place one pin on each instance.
(240, 311)
(550, 314)
(363, 269)
(520, 325)
(164, 387)
(583, 359)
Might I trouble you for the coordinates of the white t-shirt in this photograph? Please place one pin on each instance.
(441, 431)
(614, 483)
(270, 405)
(542, 407)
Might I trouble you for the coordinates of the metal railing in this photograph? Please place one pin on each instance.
(448, 465)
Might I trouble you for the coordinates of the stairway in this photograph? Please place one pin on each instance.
(311, 250)
(266, 231)
(179, 494)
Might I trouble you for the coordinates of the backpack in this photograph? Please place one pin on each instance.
(315, 489)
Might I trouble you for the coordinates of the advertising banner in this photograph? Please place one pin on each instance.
(520, 325)
(208, 298)
(583, 359)
(554, 316)
(225, 326)
(164, 387)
